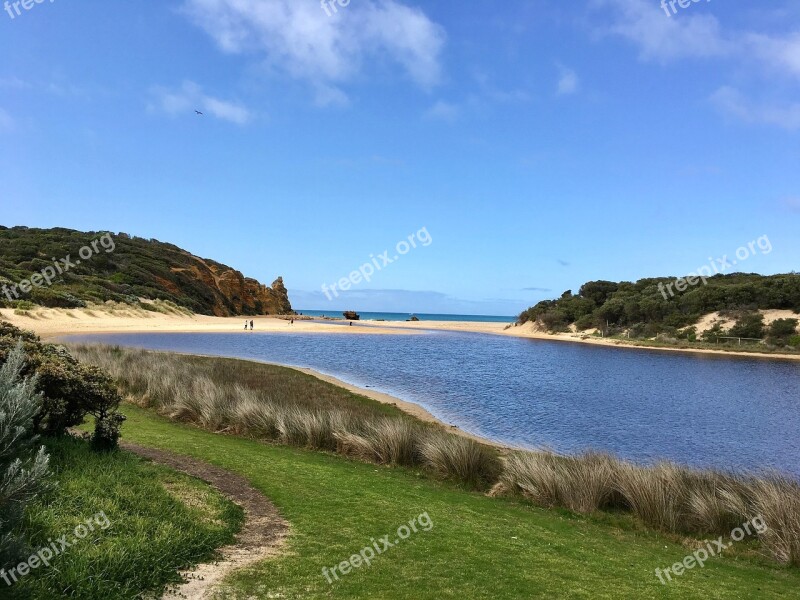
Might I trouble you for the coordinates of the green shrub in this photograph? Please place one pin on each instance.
(749, 325)
(584, 323)
(781, 331)
(71, 390)
(53, 299)
(24, 468)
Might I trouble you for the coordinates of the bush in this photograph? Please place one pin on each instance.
(584, 323)
(554, 322)
(750, 325)
(781, 331)
(71, 390)
(24, 469)
(51, 299)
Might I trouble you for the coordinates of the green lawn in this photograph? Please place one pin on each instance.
(156, 522)
(479, 547)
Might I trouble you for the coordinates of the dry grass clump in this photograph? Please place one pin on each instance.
(583, 484)
(384, 441)
(462, 458)
(777, 500)
(655, 494)
(664, 496)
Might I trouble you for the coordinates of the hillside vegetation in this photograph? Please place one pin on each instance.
(650, 307)
(124, 268)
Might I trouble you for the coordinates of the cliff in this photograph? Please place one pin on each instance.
(125, 268)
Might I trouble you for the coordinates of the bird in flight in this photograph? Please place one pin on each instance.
(198, 112)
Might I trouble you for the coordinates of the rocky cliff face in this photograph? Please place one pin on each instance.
(132, 268)
(235, 294)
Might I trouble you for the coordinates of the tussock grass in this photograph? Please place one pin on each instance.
(777, 500)
(583, 484)
(466, 458)
(665, 496)
(287, 407)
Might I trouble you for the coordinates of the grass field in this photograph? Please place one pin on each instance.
(479, 547)
(158, 521)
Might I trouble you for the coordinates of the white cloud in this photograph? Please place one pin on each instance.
(190, 97)
(783, 54)
(732, 102)
(568, 82)
(693, 34)
(6, 121)
(298, 38)
(661, 38)
(443, 111)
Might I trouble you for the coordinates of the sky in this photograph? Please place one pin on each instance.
(537, 145)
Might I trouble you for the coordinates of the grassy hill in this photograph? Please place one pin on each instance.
(671, 306)
(125, 268)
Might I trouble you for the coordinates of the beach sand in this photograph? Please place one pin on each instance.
(54, 323)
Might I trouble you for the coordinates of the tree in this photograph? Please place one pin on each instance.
(750, 325)
(24, 468)
(781, 331)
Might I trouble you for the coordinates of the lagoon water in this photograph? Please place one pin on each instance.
(703, 410)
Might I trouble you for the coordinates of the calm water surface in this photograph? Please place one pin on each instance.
(643, 405)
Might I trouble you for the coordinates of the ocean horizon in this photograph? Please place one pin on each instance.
(396, 316)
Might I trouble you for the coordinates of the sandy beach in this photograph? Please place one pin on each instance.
(53, 323)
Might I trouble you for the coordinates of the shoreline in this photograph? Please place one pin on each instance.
(52, 323)
(417, 411)
(413, 409)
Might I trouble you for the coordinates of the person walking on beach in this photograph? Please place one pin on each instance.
(245, 325)
(251, 324)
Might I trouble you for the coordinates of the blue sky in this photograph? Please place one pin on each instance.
(541, 144)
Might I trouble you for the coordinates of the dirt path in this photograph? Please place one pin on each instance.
(263, 534)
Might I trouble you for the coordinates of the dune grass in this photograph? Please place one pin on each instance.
(479, 547)
(292, 408)
(159, 521)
